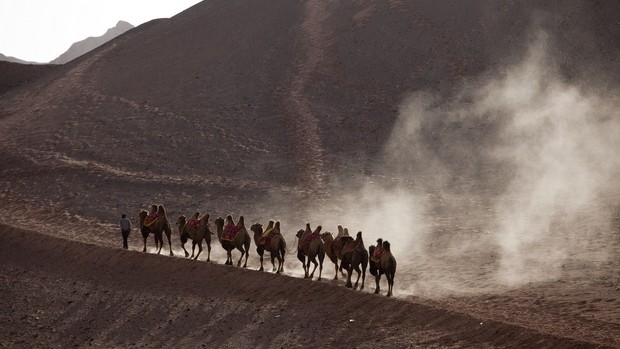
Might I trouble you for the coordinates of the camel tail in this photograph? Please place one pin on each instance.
(282, 247)
(393, 267)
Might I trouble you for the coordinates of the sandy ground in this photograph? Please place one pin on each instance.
(58, 293)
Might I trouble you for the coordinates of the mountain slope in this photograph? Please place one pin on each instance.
(478, 138)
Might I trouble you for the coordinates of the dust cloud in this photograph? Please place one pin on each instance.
(502, 184)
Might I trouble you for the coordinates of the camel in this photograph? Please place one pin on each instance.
(330, 250)
(158, 226)
(385, 264)
(196, 229)
(241, 240)
(311, 249)
(274, 243)
(354, 254)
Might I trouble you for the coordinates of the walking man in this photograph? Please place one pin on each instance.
(125, 224)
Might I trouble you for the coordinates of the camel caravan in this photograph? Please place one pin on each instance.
(347, 253)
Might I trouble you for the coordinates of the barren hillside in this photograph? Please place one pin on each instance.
(479, 138)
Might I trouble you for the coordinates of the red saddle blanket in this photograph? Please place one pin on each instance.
(230, 232)
(305, 241)
(150, 219)
(376, 255)
(194, 223)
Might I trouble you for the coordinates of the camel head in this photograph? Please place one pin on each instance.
(300, 233)
(142, 216)
(327, 237)
(219, 222)
(257, 228)
(182, 220)
(379, 242)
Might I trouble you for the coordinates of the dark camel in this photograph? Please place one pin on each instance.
(241, 241)
(274, 243)
(354, 255)
(158, 227)
(197, 229)
(332, 252)
(386, 264)
(310, 249)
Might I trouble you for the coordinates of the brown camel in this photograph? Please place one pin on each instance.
(384, 263)
(240, 241)
(196, 229)
(332, 253)
(311, 246)
(354, 255)
(156, 224)
(273, 242)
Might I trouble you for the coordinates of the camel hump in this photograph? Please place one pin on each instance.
(241, 222)
(161, 210)
(386, 245)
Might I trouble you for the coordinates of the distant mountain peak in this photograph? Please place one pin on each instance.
(81, 47)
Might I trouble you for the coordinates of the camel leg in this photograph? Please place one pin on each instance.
(363, 278)
(186, 253)
(193, 248)
(144, 250)
(313, 260)
(260, 252)
(240, 258)
(159, 245)
(199, 250)
(280, 263)
(390, 279)
(302, 258)
(321, 258)
(359, 274)
(169, 243)
(349, 272)
(208, 251)
(364, 266)
(247, 252)
(273, 261)
(335, 271)
(377, 279)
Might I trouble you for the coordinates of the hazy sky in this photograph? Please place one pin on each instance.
(41, 30)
